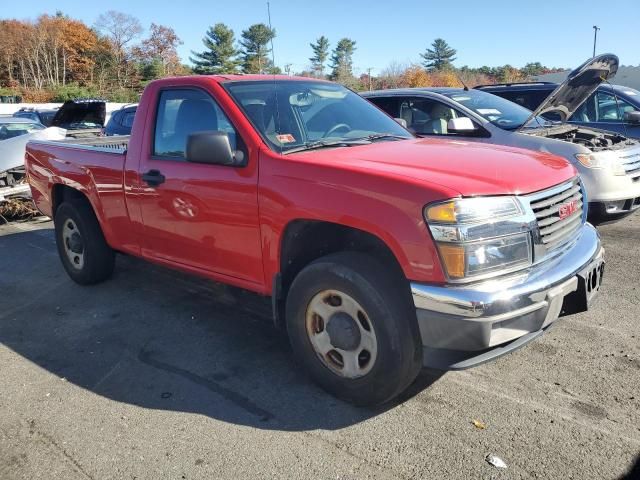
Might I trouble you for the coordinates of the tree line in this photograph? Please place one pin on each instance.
(56, 57)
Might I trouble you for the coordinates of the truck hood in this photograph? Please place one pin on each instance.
(578, 86)
(470, 168)
(80, 115)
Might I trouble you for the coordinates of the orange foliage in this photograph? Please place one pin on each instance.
(30, 95)
(416, 76)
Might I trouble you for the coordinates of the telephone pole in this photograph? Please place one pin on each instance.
(595, 38)
(369, 76)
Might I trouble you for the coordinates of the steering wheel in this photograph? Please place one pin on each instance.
(335, 128)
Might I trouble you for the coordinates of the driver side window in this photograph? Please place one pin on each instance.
(182, 112)
(611, 109)
(426, 116)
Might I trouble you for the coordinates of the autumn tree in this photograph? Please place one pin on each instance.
(78, 43)
(13, 36)
(415, 76)
(320, 54)
(391, 76)
(509, 74)
(49, 52)
(440, 56)
(255, 48)
(342, 61)
(120, 29)
(160, 49)
(220, 54)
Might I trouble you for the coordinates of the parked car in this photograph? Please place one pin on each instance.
(610, 107)
(11, 127)
(381, 252)
(14, 134)
(43, 116)
(81, 117)
(121, 121)
(609, 164)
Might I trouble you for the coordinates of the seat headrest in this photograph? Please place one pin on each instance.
(196, 115)
(255, 112)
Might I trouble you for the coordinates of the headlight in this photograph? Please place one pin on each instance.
(480, 237)
(592, 161)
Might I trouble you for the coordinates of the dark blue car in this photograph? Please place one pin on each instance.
(121, 121)
(601, 110)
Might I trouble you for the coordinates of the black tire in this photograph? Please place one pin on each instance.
(386, 299)
(98, 257)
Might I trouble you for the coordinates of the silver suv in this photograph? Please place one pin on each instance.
(609, 163)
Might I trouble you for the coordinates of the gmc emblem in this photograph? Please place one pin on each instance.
(568, 209)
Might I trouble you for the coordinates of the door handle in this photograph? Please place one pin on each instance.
(153, 178)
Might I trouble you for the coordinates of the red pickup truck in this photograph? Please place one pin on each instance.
(382, 253)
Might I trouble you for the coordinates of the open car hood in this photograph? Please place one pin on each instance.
(80, 115)
(578, 86)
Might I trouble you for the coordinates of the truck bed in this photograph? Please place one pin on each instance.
(116, 144)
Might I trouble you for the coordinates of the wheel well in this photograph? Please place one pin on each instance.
(62, 193)
(304, 241)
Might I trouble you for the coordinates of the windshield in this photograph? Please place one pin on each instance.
(10, 130)
(47, 117)
(502, 113)
(294, 114)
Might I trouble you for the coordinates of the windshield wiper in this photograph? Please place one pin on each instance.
(327, 144)
(379, 136)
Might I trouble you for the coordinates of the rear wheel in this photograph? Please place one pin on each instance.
(352, 326)
(81, 245)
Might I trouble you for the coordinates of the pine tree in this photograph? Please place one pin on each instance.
(342, 61)
(440, 56)
(320, 54)
(221, 55)
(255, 49)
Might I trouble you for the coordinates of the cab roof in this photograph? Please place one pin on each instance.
(258, 78)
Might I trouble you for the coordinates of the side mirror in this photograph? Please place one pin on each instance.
(461, 125)
(401, 121)
(632, 117)
(212, 147)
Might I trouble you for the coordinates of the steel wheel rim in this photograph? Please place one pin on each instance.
(73, 244)
(350, 350)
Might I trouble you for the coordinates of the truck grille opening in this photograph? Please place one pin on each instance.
(558, 212)
(631, 164)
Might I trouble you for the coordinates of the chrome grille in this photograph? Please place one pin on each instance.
(549, 205)
(631, 164)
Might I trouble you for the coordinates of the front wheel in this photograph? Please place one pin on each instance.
(352, 326)
(83, 250)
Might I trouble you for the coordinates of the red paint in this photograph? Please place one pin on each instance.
(227, 223)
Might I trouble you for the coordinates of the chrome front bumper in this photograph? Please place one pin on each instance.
(465, 323)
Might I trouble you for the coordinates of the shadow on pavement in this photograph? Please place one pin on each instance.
(634, 472)
(163, 340)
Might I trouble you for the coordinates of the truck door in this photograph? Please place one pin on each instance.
(201, 216)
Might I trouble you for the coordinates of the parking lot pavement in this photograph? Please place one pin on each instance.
(158, 375)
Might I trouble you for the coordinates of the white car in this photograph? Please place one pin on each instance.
(14, 135)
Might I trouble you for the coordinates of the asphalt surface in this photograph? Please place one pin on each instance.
(156, 375)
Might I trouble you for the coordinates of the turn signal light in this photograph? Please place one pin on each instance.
(453, 259)
(444, 212)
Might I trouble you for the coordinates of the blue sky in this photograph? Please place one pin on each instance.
(556, 33)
